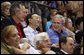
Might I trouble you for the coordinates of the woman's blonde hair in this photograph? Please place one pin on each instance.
(7, 31)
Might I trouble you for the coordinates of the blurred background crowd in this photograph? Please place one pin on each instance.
(41, 27)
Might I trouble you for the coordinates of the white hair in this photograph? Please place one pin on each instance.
(59, 16)
(39, 37)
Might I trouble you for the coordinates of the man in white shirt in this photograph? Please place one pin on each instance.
(30, 31)
(66, 45)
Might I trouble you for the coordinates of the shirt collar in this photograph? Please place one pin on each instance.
(57, 32)
(64, 51)
(32, 30)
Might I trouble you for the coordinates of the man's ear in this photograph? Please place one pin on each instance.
(37, 44)
(16, 11)
(62, 45)
(29, 20)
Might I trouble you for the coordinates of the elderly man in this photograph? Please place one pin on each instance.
(57, 29)
(17, 12)
(43, 43)
(30, 31)
(66, 45)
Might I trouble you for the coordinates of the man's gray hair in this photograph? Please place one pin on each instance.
(39, 37)
(59, 16)
(15, 6)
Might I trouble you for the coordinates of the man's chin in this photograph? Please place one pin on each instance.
(55, 29)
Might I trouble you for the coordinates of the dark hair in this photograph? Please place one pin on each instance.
(78, 21)
(15, 5)
(61, 12)
(28, 17)
(62, 39)
(79, 36)
(77, 49)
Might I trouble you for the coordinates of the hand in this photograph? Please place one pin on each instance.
(25, 46)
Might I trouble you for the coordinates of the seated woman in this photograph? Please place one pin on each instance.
(5, 7)
(10, 41)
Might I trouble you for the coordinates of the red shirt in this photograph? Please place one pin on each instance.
(50, 26)
(18, 28)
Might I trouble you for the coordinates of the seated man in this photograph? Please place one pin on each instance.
(30, 31)
(17, 15)
(57, 29)
(66, 45)
(43, 43)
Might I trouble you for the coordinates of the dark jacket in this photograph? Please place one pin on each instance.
(60, 52)
(10, 21)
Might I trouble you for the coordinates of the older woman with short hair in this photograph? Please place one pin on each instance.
(5, 8)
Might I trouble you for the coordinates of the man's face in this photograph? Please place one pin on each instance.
(21, 15)
(35, 20)
(57, 24)
(45, 43)
(69, 46)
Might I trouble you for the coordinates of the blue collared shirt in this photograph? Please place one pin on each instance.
(54, 36)
(48, 24)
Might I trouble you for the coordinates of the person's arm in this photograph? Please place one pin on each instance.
(19, 51)
(16, 50)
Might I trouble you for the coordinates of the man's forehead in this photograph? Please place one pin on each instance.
(45, 37)
(70, 39)
(36, 16)
(57, 19)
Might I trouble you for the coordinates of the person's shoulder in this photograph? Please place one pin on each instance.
(3, 51)
(65, 32)
(8, 20)
(26, 29)
(60, 52)
(48, 22)
(50, 30)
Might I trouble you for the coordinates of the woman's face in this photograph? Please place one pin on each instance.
(13, 39)
(6, 11)
(69, 24)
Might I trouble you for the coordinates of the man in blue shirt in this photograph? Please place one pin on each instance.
(57, 29)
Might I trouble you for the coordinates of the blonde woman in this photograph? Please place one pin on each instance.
(10, 41)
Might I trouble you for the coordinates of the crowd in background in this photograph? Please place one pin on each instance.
(42, 27)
